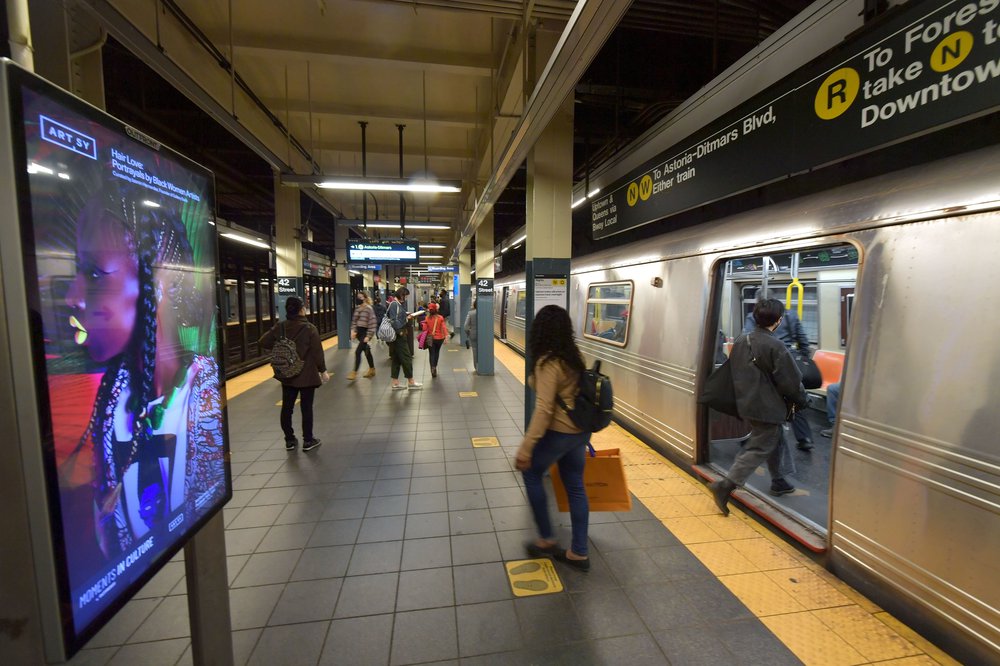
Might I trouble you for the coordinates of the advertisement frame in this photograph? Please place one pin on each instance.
(34, 413)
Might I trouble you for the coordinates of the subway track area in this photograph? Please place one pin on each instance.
(391, 544)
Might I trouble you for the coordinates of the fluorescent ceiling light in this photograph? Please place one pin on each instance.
(389, 185)
(593, 192)
(436, 246)
(578, 202)
(394, 225)
(525, 236)
(150, 204)
(245, 239)
(432, 256)
(38, 168)
(64, 176)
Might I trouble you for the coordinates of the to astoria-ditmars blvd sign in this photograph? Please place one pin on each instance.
(930, 65)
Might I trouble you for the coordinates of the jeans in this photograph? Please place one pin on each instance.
(288, 396)
(763, 445)
(435, 350)
(801, 428)
(363, 347)
(569, 450)
(832, 400)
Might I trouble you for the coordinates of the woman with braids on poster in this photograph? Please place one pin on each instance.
(155, 432)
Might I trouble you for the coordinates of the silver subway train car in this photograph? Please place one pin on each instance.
(892, 281)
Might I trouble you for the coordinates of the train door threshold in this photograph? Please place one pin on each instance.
(796, 529)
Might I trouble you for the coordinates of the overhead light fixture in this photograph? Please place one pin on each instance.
(524, 237)
(432, 256)
(64, 176)
(578, 202)
(34, 167)
(246, 239)
(376, 184)
(150, 204)
(435, 246)
(394, 225)
(593, 192)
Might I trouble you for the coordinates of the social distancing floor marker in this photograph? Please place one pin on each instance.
(459, 370)
(468, 394)
(533, 577)
(452, 350)
(481, 442)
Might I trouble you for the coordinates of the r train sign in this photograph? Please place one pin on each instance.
(930, 65)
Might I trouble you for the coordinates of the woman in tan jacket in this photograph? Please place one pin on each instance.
(552, 438)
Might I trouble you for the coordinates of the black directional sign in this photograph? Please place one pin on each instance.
(930, 65)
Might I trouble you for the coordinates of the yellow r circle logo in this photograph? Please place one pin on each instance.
(837, 93)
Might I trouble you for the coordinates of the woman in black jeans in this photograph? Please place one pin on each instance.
(363, 327)
(303, 385)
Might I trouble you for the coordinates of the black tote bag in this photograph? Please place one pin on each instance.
(812, 378)
(718, 392)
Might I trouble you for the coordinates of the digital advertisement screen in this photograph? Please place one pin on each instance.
(120, 268)
(400, 252)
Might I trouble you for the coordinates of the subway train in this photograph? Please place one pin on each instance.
(892, 279)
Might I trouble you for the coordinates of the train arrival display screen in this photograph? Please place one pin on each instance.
(399, 252)
(119, 253)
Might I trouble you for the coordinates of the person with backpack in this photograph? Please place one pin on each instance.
(444, 307)
(436, 328)
(552, 437)
(300, 365)
(363, 326)
(400, 349)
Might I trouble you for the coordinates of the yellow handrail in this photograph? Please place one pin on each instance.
(788, 295)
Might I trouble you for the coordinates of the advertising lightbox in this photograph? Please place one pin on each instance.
(388, 252)
(118, 264)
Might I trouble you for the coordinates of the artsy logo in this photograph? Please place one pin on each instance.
(67, 137)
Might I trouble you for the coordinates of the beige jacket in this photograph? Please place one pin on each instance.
(551, 377)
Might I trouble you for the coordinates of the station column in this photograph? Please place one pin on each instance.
(342, 288)
(484, 295)
(287, 246)
(548, 216)
(464, 292)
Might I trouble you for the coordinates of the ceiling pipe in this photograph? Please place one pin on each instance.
(587, 30)
(364, 172)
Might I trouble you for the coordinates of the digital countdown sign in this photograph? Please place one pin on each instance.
(389, 252)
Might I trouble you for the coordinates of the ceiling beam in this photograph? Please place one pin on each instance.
(474, 65)
(357, 112)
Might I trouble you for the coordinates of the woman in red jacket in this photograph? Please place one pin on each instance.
(437, 331)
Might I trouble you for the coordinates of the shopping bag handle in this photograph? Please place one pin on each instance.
(593, 453)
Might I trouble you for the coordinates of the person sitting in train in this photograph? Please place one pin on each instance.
(790, 332)
(832, 404)
(766, 380)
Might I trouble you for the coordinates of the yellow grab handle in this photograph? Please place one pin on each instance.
(788, 296)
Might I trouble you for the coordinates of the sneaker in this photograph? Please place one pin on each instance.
(779, 487)
(370, 373)
(352, 375)
(805, 445)
(398, 387)
(415, 386)
(828, 433)
(291, 443)
(311, 444)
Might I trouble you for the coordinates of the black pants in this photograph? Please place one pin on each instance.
(435, 350)
(288, 396)
(362, 347)
(800, 426)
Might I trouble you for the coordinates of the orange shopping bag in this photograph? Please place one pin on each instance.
(604, 480)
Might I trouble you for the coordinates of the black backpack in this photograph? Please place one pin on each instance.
(594, 401)
(285, 359)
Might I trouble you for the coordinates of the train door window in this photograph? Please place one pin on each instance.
(828, 276)
(609, 305)
(521, 306)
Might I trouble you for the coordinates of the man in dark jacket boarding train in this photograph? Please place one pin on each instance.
(766, 381)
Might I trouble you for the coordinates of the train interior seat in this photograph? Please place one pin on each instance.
(831, 366)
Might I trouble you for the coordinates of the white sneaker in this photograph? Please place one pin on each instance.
(398, 387)
(415, 386)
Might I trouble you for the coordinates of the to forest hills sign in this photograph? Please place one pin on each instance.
(932, 64)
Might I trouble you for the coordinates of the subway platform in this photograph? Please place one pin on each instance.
(388, 544)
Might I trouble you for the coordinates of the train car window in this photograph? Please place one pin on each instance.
(608, 307)
(521, 305)
(250, 300)
(828, 276)
(231, 303)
